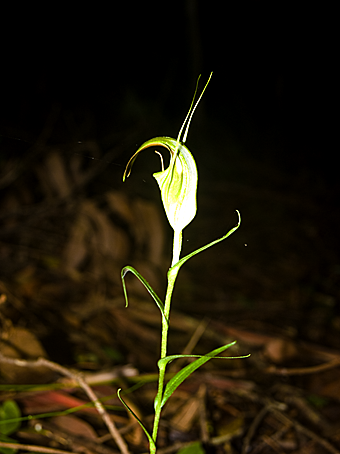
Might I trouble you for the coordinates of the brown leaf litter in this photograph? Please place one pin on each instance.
(68, 343)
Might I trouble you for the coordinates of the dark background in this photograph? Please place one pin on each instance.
(262, 136)
(272, 91)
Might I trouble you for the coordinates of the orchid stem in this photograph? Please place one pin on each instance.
(176, 251)
(177, 247)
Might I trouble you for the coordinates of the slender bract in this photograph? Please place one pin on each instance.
(178, 186)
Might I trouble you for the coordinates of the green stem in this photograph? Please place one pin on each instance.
(177, 246)
(176, 249)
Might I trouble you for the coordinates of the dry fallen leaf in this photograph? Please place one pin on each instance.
(94, 239)
(22, 343)
(75, 426)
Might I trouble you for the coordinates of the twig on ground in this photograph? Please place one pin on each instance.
(273, 444)
(299, 427)
(254, 425)
(88, 390)
(33, 448)
(75, 442)
(303, 370)
(203, 419)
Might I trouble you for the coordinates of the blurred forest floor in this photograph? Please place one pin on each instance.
(68, 226)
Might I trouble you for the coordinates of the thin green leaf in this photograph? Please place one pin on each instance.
(148, 287)
(174, 269)
(151, 440)
(175, 381)
(168, 359)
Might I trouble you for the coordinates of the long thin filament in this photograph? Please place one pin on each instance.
(193, 110)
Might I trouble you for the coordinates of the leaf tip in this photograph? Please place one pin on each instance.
(239, 217)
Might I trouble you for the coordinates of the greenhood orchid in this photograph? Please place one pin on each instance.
(178, 186)
(177, 183)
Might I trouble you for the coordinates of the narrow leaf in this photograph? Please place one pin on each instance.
(174, 269)
(151, 440)
(175, 381)
(148, 287)
(168, 359)
(162, 363)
